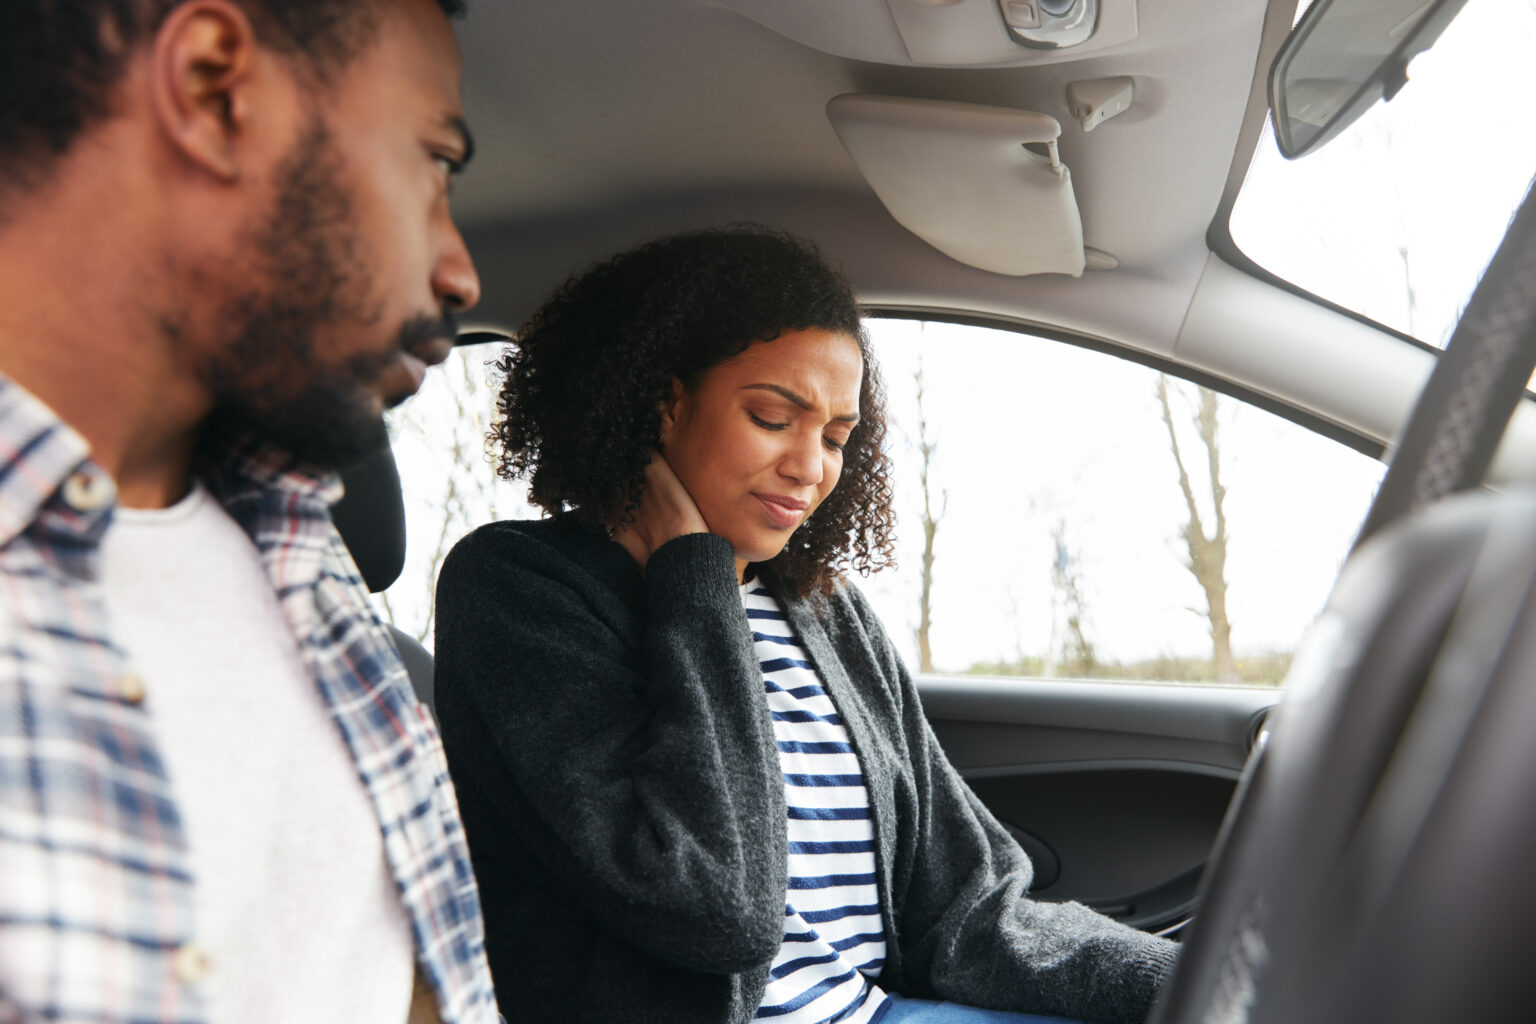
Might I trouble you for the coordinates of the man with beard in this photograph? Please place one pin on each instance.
(225, 249)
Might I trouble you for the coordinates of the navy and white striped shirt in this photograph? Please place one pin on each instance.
(834, 940)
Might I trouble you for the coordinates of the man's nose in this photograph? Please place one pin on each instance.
(454, 280)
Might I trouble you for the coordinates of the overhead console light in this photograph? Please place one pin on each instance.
(961, 31)
(959, 177)
(947, 33)
(1051, 24)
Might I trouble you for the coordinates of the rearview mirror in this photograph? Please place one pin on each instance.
(1341, 58)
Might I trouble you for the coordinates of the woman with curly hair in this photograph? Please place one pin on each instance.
(696, 778)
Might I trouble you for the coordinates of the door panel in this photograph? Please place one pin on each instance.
(1115, 790)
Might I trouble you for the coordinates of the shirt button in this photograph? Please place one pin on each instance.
(190, 964)
(87, 491)
(131, 688)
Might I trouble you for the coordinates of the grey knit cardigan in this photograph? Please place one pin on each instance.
(620, 786)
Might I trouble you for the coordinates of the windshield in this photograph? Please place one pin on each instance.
(1397, 217)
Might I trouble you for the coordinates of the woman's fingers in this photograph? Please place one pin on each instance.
(666, 511)
(668, 500)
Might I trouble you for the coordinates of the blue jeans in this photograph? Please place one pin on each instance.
(924, 1011)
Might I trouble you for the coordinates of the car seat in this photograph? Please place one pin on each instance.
(371, 519)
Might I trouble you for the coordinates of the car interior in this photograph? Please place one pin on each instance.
(1347, 846)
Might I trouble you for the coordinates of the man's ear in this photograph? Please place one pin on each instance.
(204, 53)
(669, 409)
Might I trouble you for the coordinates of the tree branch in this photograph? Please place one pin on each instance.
(1195, 528)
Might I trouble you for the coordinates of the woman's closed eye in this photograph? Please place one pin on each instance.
(766, 424)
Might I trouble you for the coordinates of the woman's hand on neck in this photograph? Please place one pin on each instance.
(666, 512)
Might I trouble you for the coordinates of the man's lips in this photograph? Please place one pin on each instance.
(415, 369)
(783, 511)
(431, 352)
(415, 360)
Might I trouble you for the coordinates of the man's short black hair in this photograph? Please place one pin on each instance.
(61, 59)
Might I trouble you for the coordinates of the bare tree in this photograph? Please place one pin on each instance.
(1412, 293)
(1207, 552)
(926, 447)
(1386, 138)
(468, 489)
(1078, 658)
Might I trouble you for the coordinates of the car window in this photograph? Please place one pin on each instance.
(1397, 217)
(1061, 544)
(448, 484)
(1060, 525)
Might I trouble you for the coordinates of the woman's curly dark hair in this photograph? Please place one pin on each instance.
(579, 408)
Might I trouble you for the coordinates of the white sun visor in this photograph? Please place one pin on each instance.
(959, 177)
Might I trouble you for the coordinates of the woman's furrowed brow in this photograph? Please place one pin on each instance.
(797, 400)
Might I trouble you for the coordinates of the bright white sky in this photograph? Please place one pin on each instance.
(1033, 432)
(1436, 172)
(1050, 433)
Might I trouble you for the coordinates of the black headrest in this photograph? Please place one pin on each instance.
(371, 515)
(371, 518)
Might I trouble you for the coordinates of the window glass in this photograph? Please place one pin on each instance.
(1397, 217)
(447, 480)
(1060, 544)
(1061, 549)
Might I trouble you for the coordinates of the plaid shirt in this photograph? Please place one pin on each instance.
(96, 892)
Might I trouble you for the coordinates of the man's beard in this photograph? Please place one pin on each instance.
(265, 375)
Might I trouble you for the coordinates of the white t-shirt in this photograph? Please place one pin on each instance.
(296, 909)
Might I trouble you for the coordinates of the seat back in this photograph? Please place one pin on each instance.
(418, 665)
(371, 520)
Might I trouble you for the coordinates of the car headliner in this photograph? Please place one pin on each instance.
(602, 124)
(607, 122)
